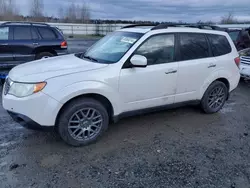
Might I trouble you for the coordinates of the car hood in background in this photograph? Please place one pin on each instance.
(43, 69)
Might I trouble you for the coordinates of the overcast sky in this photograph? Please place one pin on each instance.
(154, 10)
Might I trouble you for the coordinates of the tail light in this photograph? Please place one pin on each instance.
(237, 61)
(64, 44)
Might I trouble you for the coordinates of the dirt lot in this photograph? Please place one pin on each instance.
(176, 148)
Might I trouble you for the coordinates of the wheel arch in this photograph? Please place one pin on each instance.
(100, 98)
(208, 83)
(44, 49)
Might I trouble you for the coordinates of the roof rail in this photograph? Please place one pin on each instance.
(166, 25)
(207, 26)
(138, 25)
(199, 26)
(27, 23)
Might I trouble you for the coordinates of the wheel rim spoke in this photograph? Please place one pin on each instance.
(216, 97)
(85, 124)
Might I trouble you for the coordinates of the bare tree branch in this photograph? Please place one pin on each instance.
(36, 10)
(228, 19)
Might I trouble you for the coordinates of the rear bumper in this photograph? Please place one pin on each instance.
(62, 52)
(28, 123)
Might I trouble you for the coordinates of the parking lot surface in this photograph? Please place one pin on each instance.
(79, 45)
(175, 148)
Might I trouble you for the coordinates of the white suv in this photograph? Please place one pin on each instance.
(135, 69)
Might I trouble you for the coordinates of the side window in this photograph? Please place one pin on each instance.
(34, 33)
(158, 49)
(22, 33)
(219, 44)
(193, 46)
(4, 33)
(47, 33)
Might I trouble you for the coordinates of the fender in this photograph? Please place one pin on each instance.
(87, 87)
(214, 76)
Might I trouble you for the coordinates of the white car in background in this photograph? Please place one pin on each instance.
(133, 70)
(245, 63)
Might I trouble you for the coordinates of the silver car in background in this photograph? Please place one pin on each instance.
(245, 63)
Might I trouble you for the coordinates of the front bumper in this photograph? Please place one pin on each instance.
(39, 107)
(28, 123)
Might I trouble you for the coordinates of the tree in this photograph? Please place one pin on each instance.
(61, 13)
(8, 10)
(228, 19)
(85, 13)
(75, 13)
(36, 10)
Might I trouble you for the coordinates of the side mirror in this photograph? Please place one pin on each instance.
(139, 61)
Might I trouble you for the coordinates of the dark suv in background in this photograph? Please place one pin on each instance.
(241, 38)
(21, 42)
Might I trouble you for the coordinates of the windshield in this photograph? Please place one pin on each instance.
(112, 47)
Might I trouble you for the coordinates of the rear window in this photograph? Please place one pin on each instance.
(47, 33)
(193, 46)
(22, 33)
(219, 44)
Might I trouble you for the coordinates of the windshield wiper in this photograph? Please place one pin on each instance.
(90, 58)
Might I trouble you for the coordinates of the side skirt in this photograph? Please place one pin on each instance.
(153, 109)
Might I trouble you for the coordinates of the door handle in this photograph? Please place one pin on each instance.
(171, 71)
(35, 43)
(211, 66)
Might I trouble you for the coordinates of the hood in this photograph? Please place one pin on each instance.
(43, 69)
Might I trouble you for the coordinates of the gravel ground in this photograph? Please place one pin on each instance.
(180, 148)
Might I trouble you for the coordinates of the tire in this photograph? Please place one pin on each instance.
(74, 114)
(44, 55)
(208, 102)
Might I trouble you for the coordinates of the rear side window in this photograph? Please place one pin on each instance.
(219, 44)
(193, 46)
(22, 33)
(47, 33)
(4, 33)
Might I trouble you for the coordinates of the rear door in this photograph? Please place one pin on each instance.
(22, 44)
(6, 55)
(49, 38)
(196, 64)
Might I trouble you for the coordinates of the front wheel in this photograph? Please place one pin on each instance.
(214, 98)
(82, 122)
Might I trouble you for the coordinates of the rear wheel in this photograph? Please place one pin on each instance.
(44, 55)
(82, 122)
(214, 98)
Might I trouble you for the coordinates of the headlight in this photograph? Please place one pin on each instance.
(25, 89)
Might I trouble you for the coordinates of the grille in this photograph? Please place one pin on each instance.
(6, 86)
(245, 60)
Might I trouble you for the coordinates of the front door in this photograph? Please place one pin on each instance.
(22, 44)
(154, 85)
